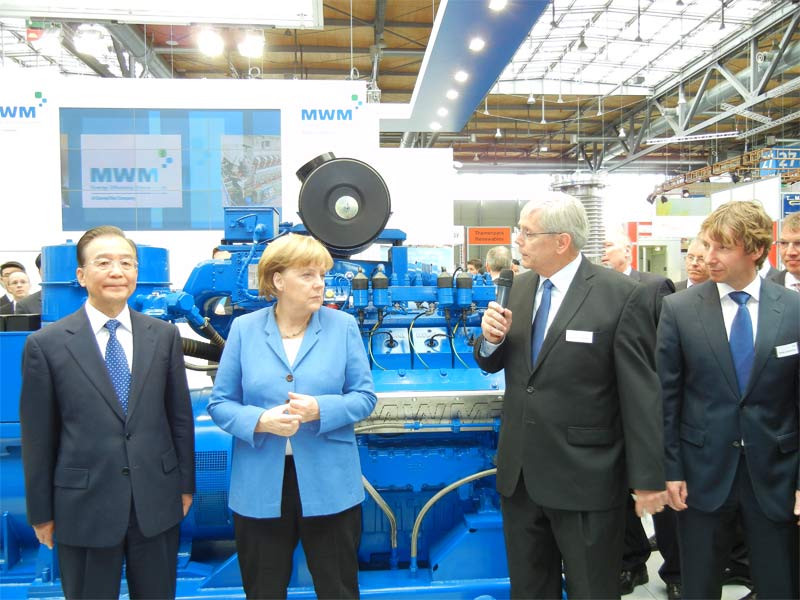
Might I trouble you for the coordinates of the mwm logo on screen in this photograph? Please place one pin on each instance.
(22, 112)
(330, 114)
(123, 175)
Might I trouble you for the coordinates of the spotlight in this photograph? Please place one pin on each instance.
(252, 46)
(476, 158)
(622, 134)
(685, 193)
(210, 42)
(476, 44)
(582, 47)
(531, 98)
(498, 134)
(651, 198)
(663, 199)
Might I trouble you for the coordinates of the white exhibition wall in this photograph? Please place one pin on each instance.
(419, 180)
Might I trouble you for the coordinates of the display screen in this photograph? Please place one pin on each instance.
(151, 169)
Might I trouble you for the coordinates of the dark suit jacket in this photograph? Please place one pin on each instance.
(6, 308)
(778, 277)
(84, 461)
(32, 305)
(657, 287)
(704, 416)
(584, 425)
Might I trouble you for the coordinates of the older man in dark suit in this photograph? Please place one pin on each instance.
(727, 358)
(581, 412)
(789, 248)
(108, 449)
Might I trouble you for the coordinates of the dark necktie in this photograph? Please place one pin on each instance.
(741, 340)
(117, 364)
(540, 321)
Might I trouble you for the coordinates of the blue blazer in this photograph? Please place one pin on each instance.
(254, 375)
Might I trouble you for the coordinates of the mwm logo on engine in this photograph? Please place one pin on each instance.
(22, 112)
(330, 114)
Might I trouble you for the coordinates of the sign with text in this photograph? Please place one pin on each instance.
(131, 171)
(489, 236)
(791, 204)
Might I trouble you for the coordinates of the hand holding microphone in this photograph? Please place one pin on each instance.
(497, 319)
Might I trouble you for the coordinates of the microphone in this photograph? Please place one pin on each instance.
(504, 282)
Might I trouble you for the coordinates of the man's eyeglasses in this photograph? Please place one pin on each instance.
(691, 258)
(529, 235)
(106, 264)
(786, 244)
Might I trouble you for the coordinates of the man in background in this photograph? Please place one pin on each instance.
(789, 247)
(617, 255)
(475, 266)
(7, 300)
(497, 259)
(696, 268)
(107, 433)
(32, 304)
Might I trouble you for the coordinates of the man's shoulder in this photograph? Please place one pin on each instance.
(56, 330)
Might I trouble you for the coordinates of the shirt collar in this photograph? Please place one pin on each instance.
(563, 278)
(753, 288)
(790, 279)
(628, 270)
(98, 320)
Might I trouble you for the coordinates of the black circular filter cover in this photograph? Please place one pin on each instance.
(326, 180)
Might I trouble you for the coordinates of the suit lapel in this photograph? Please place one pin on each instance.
(770, 315)
(82, 345)
(311, 337)
(710, 312)
(144, 347)
(576, 294)
(529, 285)
(273, 337)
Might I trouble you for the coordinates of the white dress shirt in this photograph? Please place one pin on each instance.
(790, 281)
(124, 332)
(730, 308)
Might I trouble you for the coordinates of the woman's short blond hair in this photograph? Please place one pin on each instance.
(290, 251)
(741, 221)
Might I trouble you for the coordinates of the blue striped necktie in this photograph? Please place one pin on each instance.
(117, 364)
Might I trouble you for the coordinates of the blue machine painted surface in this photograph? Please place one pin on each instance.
(435, 424)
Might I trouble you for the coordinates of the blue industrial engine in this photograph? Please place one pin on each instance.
(431, 521)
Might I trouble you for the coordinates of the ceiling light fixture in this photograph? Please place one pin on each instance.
(435, 126)
(476, 158)
(582, 47)
(543, 147)
(543, 121)
(722, 22)
(681, 95)
(560, 99)
(476, 44)
(442, 112)
(461, 76)
(679, 3)
(498, 134)
(497, 5)
(600, 106)
(486, 106)
(252, 46)
(531, 98)
(90, 39)
(553, 22)
(622, 134)
(685, 193)
(210, 42)
(451, 94)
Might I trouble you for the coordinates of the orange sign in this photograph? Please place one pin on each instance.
(489, 236)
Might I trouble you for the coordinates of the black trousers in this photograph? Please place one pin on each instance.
(707, 538)
(538, 538)
(95, 573)
(330, 542)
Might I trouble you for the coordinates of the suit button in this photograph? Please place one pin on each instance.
(126, 471)
(290, 378)
(529, 389)
(737, 444)
(128, 436)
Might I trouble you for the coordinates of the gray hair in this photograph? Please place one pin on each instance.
(562, 213)
(498, 258)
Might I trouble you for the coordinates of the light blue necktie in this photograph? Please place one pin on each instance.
(540, 320)
(741, 340)
(117, 364)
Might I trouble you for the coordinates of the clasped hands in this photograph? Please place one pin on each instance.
(285, 419)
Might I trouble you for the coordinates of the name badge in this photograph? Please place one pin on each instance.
(786, 350)
(582, 337)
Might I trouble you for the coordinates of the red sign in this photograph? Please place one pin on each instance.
(489, 236)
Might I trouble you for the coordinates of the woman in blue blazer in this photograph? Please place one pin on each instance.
(292, 382)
